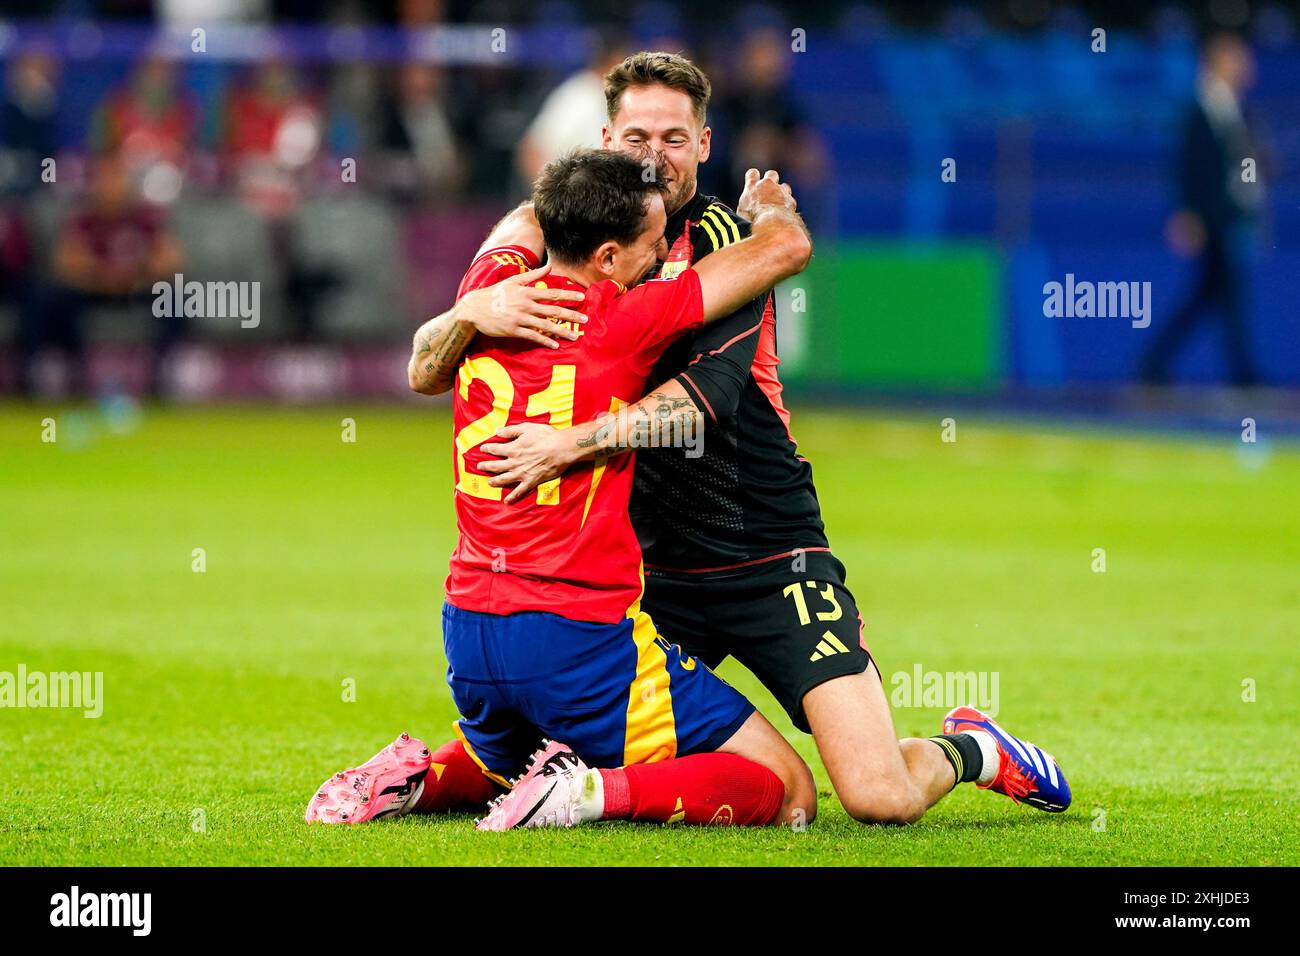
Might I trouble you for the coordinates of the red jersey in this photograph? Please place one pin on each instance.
(568, 547)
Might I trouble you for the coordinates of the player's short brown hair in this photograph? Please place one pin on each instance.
(593, 196)
(658, 69)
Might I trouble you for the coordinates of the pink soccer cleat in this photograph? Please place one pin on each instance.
(558, 790)
(388, 784)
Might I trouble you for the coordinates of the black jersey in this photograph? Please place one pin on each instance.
(748, 500)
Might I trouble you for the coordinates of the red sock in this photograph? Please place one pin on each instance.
(455, 782)
(706, 789)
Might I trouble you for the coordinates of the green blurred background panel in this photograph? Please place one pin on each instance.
(886, 315)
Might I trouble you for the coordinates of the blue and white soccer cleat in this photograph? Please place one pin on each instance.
(1025, 773)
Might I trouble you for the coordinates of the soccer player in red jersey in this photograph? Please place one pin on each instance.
(543, 628)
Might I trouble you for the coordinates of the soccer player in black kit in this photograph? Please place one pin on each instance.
(736, 558)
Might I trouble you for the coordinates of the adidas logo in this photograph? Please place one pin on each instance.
(828, 646)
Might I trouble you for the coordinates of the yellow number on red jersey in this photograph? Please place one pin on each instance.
(555, 401)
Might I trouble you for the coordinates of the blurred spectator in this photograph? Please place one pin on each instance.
(273, 130)
(27, 119)
(417, 134)
(574, 113)
(413, 13)
(109, 253)
(764, 125)
(1217, 209)
(489, 121)
(27, 139)
(17, 283)
(149, 120)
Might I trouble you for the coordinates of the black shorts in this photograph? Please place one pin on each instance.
(793, 629)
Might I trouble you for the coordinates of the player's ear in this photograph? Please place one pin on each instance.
(605, 256)
(706, 141)
(606, 138)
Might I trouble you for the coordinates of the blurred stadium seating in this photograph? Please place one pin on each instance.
(1064, 157)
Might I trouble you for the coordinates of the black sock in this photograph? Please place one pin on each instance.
(963, 752)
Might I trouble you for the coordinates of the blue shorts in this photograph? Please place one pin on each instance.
(617, 694)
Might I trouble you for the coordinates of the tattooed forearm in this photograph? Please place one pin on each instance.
(436, 352)
(596, 439)
(665, 418)
(447, 355)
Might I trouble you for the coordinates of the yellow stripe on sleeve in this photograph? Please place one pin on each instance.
(721, 228)
(725, 223)
(713, 236)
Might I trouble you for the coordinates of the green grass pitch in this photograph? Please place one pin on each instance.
(223, 691)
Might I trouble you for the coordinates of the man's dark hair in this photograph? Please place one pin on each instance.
(658, 69)
(592, 196)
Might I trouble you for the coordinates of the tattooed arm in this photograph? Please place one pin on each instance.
(436, 351)
(509, 308)
(655, 420)
(538, 453)
(512, 308)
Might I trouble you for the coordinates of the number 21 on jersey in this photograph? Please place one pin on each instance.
(555, 401)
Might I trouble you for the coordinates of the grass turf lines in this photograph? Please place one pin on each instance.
(224, 691)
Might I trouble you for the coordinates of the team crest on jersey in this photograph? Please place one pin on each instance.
(671, 269)
(679, 256)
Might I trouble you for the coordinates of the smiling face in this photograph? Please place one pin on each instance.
(601, 216)
(662, 120)
(635, 261)
(629, 264)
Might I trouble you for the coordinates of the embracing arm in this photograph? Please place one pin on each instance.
(706, 392)
(537, 453)
(511, 308)
(778, 247)
(436, 351)
(518, 227)
(731, 278)
(733, 283)
(666, 410)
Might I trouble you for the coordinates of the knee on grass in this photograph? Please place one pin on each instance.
(799, 807)
(894, 806)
